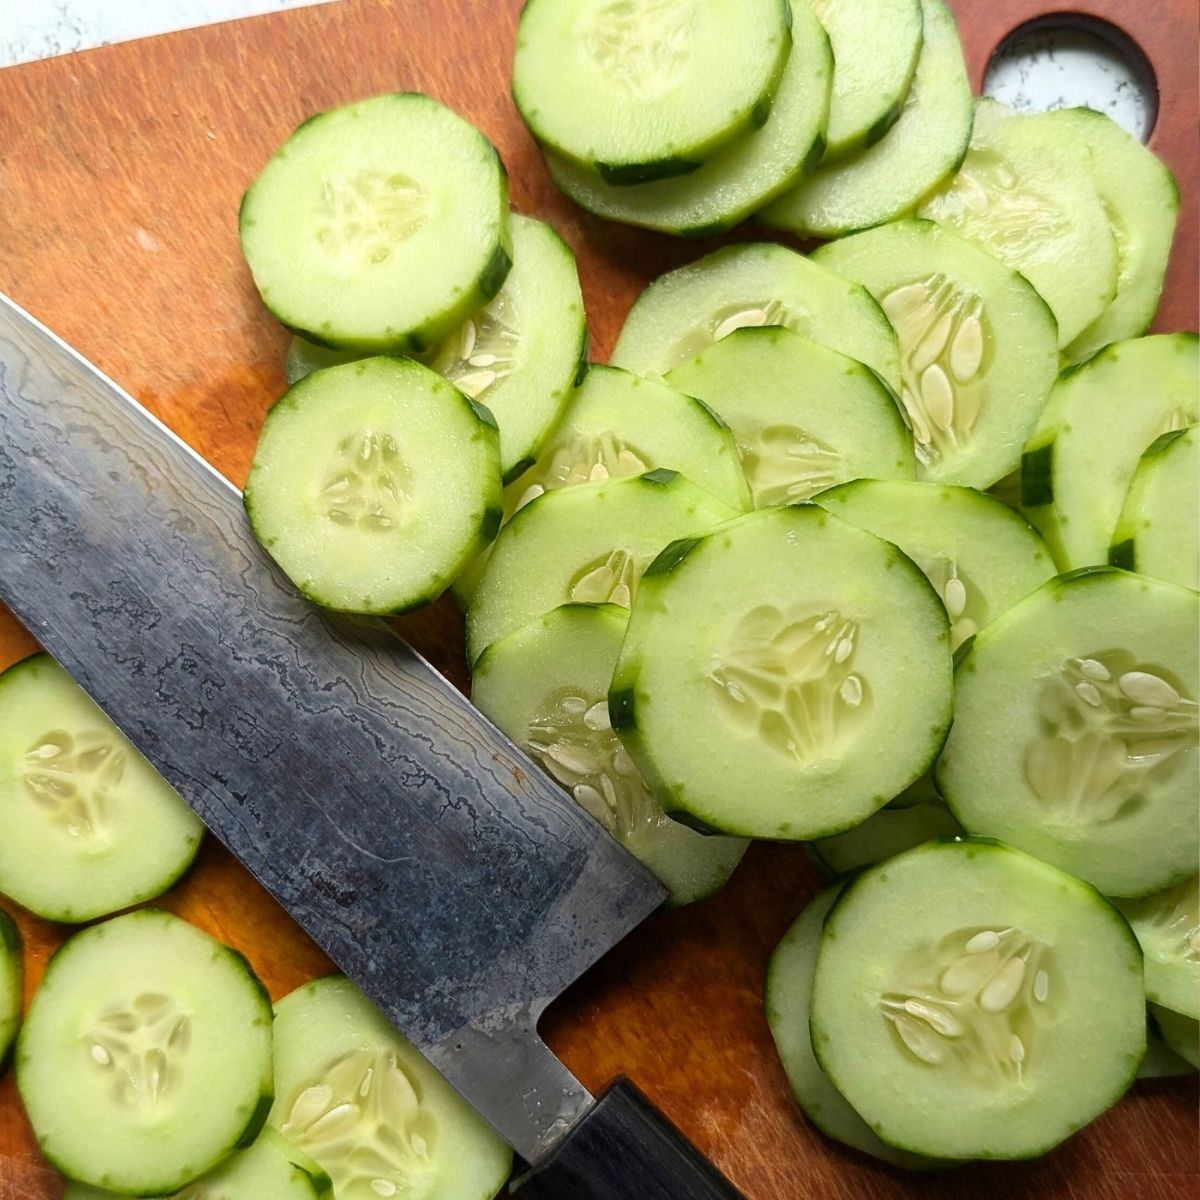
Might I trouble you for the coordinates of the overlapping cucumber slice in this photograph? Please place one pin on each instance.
(12, 977)
(890, 831)
(1167, 926)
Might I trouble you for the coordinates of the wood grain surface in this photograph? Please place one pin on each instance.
(120, 176)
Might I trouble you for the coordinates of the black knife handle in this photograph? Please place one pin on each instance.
(624, 1149)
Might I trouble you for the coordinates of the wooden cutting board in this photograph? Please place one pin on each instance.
(120, 176)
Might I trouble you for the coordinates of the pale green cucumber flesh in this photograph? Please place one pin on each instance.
(884, 834)
(1167, 926)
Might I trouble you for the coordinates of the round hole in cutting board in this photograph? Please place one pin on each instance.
(1068, 59)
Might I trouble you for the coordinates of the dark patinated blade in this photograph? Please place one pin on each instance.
(435, 865)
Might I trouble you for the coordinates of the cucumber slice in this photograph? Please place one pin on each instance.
(1161, 1062)
(1075, 731)
(888, 832)
(1141, 199)
(586, 544)
(89, 826)
(1156, 532)
(829, 688)
(374, 484)
(636, 90)
(787, 1003)
(1100, 417)
(145, 1059)
(1167, 926)
(805, 417)
(972, 1002)
(978, 346)
(1025, 193)
(1182, 1034)
(12, 982)
(876, 46)
(757, 283)
(980, 556)
(380, 225)
(546, 686)
(304, 357)
(357, 1097)
(890, 178)
(741, 178)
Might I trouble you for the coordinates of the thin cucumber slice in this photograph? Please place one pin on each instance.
(12, 980)
(876, 46)
(1141, 199)
(546, 686)
(830, 689)
(1156, 532)
(757, 283)
(1025, 193)
(888, 832)
(636, 90)
(1075, 730)
(1167, 926)
(894, 175)
(973, 1002)
(586, 544)
(145, 1058)
(89, 826)
(741, 178)
(978, 346)
(805, 417)
(1182, 1034)
(1101, 416)
(1161, 1062)
(374, 484)
(980, 556)
(787, 1003)
(380, 225)
(304, 357)
(399, 1130)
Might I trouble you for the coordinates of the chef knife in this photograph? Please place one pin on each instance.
(435, 865)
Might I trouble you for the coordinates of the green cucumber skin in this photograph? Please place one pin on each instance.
(11, 947)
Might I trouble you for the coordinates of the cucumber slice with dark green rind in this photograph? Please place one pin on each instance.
(12, 979)
(830, 689)
(980, 556)
(651, 89)
(400, 1129)
(145, 1058)
(978, 346)
(1181, 1033)
(787, 1003)
(740, 179)
(546, 686)
(1161, 1062)
(1156, 532)
(588, 543)
(888, 832)
(1075, 730)
(1025, 193)
(804, 417)
(890, 178)
(757, 283)
(971, 1001)
(374, 484)
(1100, 417)
(876, 46)
(89, 826)
(1167, 925)
(379, 226)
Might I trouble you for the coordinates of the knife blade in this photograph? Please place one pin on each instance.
(435, 864)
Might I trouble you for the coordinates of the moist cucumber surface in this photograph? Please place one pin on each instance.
(804, 417)
(89, 826)
(970, 1001)
(586, 544)
(1075, 731)
(1025, 193)
(978, 346)
(12, 976)
(636, 90)
(1156, 532)
(888, 832)
(758, 283)
(363, 1103)
(380, 225)
(887, 180)
(829, 689)
(1167, 926)
(744, 176)
(374, 484)
(1182, 1034)
(980, 556)
(876, 46)
(145, 1058)
(1101, 416)
(787, 1004)
(546, 686)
